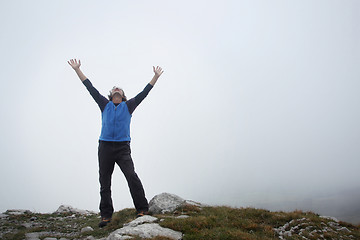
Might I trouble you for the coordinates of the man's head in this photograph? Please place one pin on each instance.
(117, 92)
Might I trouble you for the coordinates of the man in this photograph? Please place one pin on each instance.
(114, 142)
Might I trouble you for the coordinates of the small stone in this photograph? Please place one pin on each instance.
(344, 229)
(87, 229)
(27, 225)
(34, 235)
(37, 235)
(182, 216)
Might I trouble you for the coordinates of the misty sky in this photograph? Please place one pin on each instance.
(259, 100)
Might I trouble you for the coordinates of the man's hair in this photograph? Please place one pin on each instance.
(124, 98)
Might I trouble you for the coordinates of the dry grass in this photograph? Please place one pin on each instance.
(215, 223)
(225, 223)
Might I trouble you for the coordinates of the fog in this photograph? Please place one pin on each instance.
(258, 104)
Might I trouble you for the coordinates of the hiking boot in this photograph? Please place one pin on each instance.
(104, 222)
(142, 213)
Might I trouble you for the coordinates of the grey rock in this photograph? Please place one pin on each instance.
(165, 202)
(50, 238)
(90, 238)
(148, 230)
(70, 209)
(141, 220)
(191, 202)
(118, 237)
(27, 225)
(330, 218)
(35, 235)
(182, 216)
(87, 229)
(3, 215)
(36, 238)
(17, 211)
(344, 229)
(143, 227)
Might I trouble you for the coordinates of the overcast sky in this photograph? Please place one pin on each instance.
(259, 99)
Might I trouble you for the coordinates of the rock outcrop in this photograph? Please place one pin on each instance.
(144, 227)
(296, 227)
(17, 211)
(70, 209)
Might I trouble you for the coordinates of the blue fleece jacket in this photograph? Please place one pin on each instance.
(116, 118)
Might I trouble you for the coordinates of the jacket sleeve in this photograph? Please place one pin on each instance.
(134, 102)
(99, 99)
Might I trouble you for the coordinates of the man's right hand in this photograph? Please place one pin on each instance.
(74, 64)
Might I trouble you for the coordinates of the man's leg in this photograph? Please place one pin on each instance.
(106, 168)
(126, 165)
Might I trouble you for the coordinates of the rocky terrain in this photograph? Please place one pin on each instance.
(174, 218)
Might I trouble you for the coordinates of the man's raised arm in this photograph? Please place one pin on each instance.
(99, 99)
(158, 71)
(76, 66)
(134, 102)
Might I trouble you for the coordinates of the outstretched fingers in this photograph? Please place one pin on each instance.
(158, 70)
(74, 63)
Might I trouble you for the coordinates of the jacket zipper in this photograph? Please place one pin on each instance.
(114, 122)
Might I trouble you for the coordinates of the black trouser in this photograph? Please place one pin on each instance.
(120, 153)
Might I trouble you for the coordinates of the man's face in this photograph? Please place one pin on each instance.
(117, 90)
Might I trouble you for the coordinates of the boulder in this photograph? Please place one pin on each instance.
(165, 202)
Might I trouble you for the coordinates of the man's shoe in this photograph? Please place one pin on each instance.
(142, 213)
(104, 222)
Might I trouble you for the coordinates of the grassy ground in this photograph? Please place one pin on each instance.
(223, 223)
(226, 223)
